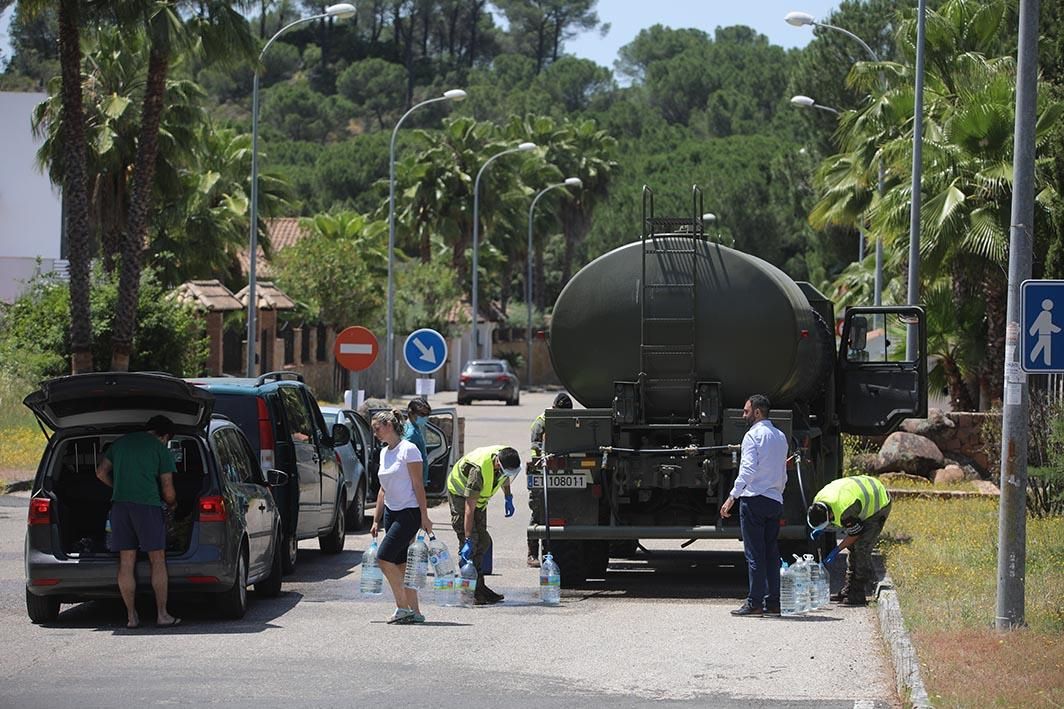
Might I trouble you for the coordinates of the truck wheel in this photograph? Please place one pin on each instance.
(41, 609)
(332, 542)
(624, 549)
(571, 562)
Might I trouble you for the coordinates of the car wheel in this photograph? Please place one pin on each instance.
(289, 552)
(516, 400)
(356, 513)
(464, 401)
(332, 542)
(270, 586)
(234, 602)
(41, 609)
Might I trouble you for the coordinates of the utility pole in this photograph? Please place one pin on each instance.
(1012, 514)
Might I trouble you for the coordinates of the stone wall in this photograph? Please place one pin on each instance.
(954, 442)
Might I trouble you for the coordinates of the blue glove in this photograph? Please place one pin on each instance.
(831, 555)
(467, 549)
(510, 506)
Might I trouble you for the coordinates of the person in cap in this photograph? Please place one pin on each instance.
(470, 485)
(561, 401)
(417, 417)
(138, 467)
(859, 505)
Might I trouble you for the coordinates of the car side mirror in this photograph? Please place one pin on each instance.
(340, 435)
(276, 478)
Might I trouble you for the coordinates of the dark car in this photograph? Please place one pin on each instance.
(489, 379)
(225, 532)
(362, 455)
(281, 419)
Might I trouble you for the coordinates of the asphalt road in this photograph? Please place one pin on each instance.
(657, 630)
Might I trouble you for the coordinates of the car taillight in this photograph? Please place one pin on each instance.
(266, 443)
(40, 512)
(212, 509)
(502, 378)
(465, 377)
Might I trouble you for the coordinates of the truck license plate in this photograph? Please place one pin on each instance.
(559, 480)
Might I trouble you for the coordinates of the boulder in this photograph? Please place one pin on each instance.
(949, 474)
(909, 453)
(936, 422)
(864, 463)
(893, 479)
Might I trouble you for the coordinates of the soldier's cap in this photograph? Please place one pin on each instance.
(510, 461)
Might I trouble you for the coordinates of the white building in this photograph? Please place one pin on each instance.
(30, 206)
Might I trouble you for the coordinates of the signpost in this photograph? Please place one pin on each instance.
(1042, 322)
(355, 349)
(425, 351)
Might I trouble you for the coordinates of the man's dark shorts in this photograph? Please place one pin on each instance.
(135, 525)
(400, 528)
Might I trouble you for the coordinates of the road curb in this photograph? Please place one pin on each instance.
(18, 486)
(907, 677)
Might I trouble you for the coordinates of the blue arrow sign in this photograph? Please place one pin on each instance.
(425, 351)
(1043, 326)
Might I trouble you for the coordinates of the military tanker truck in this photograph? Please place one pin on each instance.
(661, 341)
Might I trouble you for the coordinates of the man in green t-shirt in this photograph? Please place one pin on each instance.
(137, 466)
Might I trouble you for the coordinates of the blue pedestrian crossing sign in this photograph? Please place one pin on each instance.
(1043, 327)
(425, 350)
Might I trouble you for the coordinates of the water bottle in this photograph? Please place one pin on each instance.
(814, 581)
(550, 581)
(417, 564)
(443, 587)
(107, 533)
(467, 584)
(823, 589)
(372, 581)
(801, 585)
(788, 601)
(440, 558)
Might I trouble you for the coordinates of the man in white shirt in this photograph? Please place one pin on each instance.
(759, 489)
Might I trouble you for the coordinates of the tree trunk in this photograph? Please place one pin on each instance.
(959, 397)
(75, 188)
(139, 206)
(994, 291)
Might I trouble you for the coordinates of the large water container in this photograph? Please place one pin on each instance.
(372, 580)
(801, 584)
(467, 584)
(823, 589)
(444, 589)
(816, 575)
(417, 564)
(440, 558)
(788, 598)
(550, 581)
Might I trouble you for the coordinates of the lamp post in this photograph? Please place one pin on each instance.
(389, 347)
(522, 148)
(800, 19)
(569, 182)
(340, 11)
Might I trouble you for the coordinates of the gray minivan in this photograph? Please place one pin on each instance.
(224, 534)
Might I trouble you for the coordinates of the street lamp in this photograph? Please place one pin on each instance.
(806, 102)
(522, 148)
(569, 182)
(389, 349)
(801, 19)
(339, 11)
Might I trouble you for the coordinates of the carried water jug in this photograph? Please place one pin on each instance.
(372, 581)
(467, 584)
(440, 558)
(417, 564)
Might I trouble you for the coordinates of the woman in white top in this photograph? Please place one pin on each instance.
(401, 502)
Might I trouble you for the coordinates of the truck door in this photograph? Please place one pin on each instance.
(878, 386)
(441, 445)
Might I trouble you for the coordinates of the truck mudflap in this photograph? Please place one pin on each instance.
(616, 533)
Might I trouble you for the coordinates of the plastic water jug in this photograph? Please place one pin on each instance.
(823, 589)
(550, 581)
(107, 533)
(801, 584)
(417, 564)
(814, 581)
(440, 558)
(467, 584)
(372, 581)
(444, 588)
(788, 600)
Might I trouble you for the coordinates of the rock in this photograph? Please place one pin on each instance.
(864, 463)
(890, 479)
(909, 453)
(949, 474)
(986, 487)
(936, 422)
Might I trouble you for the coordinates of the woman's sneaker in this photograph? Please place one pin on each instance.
(401, 616)
(417, 618)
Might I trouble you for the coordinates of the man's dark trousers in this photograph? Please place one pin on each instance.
(759, 520)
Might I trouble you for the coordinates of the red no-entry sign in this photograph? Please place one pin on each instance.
(355, 348)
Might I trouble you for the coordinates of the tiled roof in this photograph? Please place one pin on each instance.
(270, 297)
(208, 295)
(489, 312)
(284, 232)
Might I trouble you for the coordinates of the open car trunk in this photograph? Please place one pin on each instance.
(83, 502)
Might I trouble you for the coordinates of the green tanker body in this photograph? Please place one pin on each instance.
(661, 341)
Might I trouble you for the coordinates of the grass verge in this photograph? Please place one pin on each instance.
(946, 576)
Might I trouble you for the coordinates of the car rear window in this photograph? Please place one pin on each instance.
(485, 368)
(243, 411)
